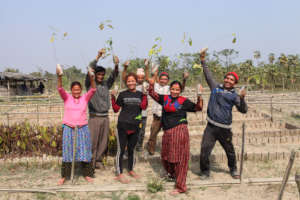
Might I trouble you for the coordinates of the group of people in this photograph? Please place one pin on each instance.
(169, 113)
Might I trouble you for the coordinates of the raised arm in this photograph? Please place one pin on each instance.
(114, 74)
(146, 62)
(61, 91)
(93, 65)
(124, 73)
(185, 76)
(208, 76)
(157, 97)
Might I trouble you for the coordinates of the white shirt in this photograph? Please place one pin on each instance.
(140, 88)
(162, 90)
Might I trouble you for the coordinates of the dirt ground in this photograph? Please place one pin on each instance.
(37, 176)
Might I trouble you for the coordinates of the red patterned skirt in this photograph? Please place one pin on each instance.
(176, 144)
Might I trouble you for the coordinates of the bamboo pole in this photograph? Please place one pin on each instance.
(297, 179)
(242, 152)
(287, 174)
(74, 154)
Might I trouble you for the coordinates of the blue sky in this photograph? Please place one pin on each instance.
(265, 25)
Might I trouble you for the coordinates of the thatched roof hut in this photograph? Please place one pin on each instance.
(12, 83)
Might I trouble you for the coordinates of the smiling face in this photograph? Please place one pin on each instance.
(76, 91)
(229, 82)
(175, 90)
(163, 80)
(100, 76)
(131, 83)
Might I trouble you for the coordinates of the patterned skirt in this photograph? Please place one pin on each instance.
(176, 144)
(83, 144)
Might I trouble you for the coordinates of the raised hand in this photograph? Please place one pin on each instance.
(243, 92)
(116, 60)
(126, 64)
(203, 53)
(101, 53)
(185, 75)
(91, 72)
(59, 70)
(146, 62)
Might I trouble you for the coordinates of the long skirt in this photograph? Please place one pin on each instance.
(83, 144)
(175, 154)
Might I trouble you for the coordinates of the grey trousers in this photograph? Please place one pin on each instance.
(99, 129)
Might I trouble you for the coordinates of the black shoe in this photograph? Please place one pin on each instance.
(235, 174)
(204, 176)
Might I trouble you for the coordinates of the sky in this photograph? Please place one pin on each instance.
(25, 29)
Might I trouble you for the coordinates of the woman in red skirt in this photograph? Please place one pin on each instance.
(175, 141)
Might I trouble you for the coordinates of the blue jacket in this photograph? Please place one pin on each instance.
(221, 102)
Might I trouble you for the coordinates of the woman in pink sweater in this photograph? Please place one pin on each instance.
(75, 107)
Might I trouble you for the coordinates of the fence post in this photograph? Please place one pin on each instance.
(271, 108)
(287, 174)
(7, 114)
(37, 114)
(242, 152)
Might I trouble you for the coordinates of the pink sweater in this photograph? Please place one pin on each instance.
(75, 109)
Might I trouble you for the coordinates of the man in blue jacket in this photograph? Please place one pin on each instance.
(219, 116)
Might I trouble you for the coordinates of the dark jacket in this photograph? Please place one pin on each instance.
(100, 102)
(221, 101)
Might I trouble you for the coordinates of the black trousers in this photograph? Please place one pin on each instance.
(86, 169)
(130, 140)
(213, 133)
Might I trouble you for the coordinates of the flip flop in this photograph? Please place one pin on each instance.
(174, 192)
(122, 179)
(89, 179)
(61, 181)
(134, 175)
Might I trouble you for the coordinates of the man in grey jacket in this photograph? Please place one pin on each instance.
(219, 116)
(98, 109)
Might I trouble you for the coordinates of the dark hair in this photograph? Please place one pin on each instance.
(99, 69)
(176, 82)
(130, 74)
(75, 83)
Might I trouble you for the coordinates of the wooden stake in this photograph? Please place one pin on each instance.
(74, 153)
(242, 152)
(287, 174)
(297, 179)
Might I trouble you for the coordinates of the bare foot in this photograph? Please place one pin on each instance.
(61, 181)
(122, 179)
(174, 192)
(134, 175)
(89, 179)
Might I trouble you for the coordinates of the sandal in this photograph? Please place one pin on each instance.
(122, 179)
(134, 175)
(174, 192)
(61, 181)
(89, 179)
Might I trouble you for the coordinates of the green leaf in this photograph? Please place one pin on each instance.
(65, 34)
(101, 26)
(108, 21)
(53, 144)
(154, 46)
(234, 40)
(110, 26)
(18, 143)
(190, 42)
